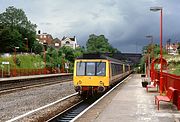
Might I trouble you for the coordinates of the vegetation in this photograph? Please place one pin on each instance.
(37, 47)
(24, 61)
(173, 64)
(56, 58)
(99, 44)
(16, 31)
(154, 51)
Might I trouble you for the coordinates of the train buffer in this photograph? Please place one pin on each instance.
(131, 103)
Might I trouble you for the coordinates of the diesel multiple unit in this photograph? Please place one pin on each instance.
(95, 73)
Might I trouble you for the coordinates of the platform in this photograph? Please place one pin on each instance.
(131, 103)
(33, 77)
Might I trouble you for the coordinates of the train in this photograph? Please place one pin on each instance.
(96, 73)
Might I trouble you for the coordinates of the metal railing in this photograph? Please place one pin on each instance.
(169, 80)
(26, 72)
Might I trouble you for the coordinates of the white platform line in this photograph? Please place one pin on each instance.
(30, 112)
(98, 100)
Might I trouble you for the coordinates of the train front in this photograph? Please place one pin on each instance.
(91, 76)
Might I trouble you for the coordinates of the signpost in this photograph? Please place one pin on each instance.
(2, 66)
(67, 66)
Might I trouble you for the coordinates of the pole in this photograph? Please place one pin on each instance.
(161, 75)
(44, 61)
(27, 44)
(2, 71)
(149, 57)
(8, 70)
(145, 68)
(152, 59)
(15, 62)
(148, 66)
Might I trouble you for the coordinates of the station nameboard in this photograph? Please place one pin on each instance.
(5, 62)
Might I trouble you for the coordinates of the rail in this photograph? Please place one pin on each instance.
(19, 83)
(41, 108)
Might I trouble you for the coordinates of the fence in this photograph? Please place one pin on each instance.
(26, 72)
(169, 80)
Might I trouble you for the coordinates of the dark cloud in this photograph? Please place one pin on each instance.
(124, 22)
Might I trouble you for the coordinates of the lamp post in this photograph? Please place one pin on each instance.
(151, 46)
(150, 49)
(26, 43)
(63, 57)
(154, 9)
(44, 58)
(15, 60)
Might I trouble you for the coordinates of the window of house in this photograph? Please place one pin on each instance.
(67, 42)
(56, 44)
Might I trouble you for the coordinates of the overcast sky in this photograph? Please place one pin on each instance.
(124, 22)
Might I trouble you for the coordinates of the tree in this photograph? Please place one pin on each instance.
(15, 20)
(153, 49)
(68, 52)
(99, 44)
(37, 47)
(9, 40)
(78, 52)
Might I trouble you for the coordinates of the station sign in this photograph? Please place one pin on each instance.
(5, 62)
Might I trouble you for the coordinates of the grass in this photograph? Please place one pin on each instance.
(30, 61)
(24, 61)
(173, 64)
(175, 69)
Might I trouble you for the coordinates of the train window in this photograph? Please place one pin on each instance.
(90, 68)
(101, 69)
(80, 68)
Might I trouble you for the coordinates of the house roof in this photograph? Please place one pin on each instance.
(56, 40)
(71, 38)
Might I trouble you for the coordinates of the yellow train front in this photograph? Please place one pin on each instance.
(97, 74)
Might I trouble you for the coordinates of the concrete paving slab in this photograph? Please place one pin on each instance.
(132, 103)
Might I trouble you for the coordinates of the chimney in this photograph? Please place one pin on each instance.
(39, 32)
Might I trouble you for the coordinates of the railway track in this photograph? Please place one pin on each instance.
(74, 112)
(12, 86)
(48, 110)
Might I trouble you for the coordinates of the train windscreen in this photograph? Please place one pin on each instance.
(91, 69)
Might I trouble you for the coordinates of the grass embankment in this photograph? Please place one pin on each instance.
(24, 61)
(173, 64)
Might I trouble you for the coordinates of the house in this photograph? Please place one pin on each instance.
(172, 48)
(44, 38)
(56, 43)
(71, 42)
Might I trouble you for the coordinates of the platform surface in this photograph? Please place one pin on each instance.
(132, 103)
(33, 76)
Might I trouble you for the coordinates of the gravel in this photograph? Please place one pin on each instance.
(20, 102)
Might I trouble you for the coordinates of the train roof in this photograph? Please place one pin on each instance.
(99, 56)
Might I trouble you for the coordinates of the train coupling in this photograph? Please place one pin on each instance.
(101, 89)
(78, 88)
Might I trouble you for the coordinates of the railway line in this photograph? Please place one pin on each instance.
(75, 111)
(16, 84)
(48, 109)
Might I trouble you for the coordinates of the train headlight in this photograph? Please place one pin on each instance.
(101, 83)
(79, 82)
